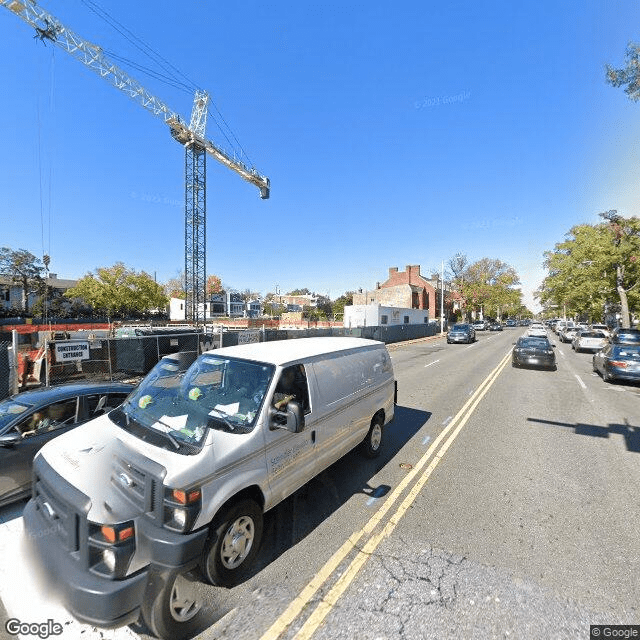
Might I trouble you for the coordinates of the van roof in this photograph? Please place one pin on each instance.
(282, 351)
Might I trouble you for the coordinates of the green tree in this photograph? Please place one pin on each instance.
(338, 305)
(299, 292)
(629, 75)
(119, 290)
(595, 266)
(25, 270)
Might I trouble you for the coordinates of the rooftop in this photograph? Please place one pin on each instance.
(281, 352)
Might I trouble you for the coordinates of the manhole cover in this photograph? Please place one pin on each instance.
(406, 465)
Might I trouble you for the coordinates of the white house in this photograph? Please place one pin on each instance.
(375, 315)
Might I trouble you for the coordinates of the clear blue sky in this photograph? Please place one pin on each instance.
(393, 134)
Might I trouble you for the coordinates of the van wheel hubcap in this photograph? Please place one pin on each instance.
(184, 603)
(237, 542)
(376, 436)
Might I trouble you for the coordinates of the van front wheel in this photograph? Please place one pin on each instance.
(372, 443)
(172, 607)
(236, 538)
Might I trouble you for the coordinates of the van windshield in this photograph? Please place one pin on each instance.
(215, 392)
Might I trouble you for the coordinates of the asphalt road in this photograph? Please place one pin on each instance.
(504, 505)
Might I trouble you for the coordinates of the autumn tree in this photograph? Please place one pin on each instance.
(119, 290)
(214, 285)
(174, 287)
(25, 270)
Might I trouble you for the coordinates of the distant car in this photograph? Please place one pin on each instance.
(479, 325)
(536, 331)
(601, 327)
(618, 362)
(461, 332)
(511, 323)
(533, 352)
(495, 326)
(625, 336)
(566, 334)
(30, 419)
(588, 340)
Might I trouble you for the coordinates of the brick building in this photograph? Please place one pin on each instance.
(405, 289)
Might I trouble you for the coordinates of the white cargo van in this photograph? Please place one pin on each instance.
(125, 507)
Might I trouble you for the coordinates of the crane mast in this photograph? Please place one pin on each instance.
(192, 137)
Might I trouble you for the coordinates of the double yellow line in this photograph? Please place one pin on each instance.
(324, 607)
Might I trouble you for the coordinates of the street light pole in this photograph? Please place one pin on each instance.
(442, 300)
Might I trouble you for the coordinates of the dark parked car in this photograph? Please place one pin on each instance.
(533, 352)
(30, 419)
(511, 323)
(495, 326)
(461, 332)
(618, 362)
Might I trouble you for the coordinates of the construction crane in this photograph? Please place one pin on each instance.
(192, 137)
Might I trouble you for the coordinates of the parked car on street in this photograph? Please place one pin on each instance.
(618, 362)
(511, 323)
(625, 336)
(533, 352)
(495, 326)
(31, 419)
(461, 332)
(479, 325)
(566, 334)
(601, 327)
(588, 340)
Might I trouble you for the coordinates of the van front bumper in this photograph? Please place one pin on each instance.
(96, 600)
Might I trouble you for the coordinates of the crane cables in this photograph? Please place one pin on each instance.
(170, 75)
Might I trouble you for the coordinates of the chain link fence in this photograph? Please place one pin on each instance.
(96, 358)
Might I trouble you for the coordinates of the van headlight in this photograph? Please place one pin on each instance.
(111, 547)
(181, 508)
(109, 559)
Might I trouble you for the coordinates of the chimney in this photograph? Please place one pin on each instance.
(392, 270)
(377, 285)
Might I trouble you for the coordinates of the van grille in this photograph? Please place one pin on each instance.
(139, 486)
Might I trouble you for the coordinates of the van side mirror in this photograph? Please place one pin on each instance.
(291, 419)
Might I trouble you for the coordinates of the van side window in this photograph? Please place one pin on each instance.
(292, 385)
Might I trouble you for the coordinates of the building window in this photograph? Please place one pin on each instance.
(406, 319)
(181, 306)
(415, 304)
(384, 319)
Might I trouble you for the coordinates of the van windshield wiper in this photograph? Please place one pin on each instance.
(221, 416)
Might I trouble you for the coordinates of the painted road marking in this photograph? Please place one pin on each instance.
(325, 606)
(582, 384)
(428, 365)
(561, 352)
(301, 601)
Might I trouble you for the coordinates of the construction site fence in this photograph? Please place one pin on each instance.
(130, 359)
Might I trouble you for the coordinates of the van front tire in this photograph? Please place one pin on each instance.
(172, 608)
(373, 442)
(235, 542)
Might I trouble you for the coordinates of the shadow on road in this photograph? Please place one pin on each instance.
(630, 433)
(297, 516)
